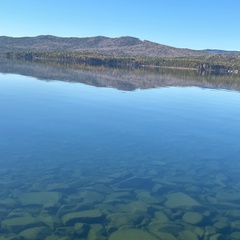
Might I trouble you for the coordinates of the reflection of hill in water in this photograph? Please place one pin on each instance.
(122, 79)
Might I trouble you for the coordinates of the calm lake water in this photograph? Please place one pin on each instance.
(87, 161)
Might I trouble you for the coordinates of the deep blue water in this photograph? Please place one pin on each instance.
(63, 118)
(60, 132)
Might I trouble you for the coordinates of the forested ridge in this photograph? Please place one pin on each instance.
(117, 52)
(222, 63)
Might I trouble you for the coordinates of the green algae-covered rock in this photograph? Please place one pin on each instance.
(132, 234)
(87, 216)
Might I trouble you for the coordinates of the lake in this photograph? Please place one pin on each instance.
(96, 153)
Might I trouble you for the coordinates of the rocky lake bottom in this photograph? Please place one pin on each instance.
(81, 162)
(153, 200)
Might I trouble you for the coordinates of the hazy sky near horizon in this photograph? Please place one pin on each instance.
(181, 23)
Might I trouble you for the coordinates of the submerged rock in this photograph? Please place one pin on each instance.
(168, 227)
(161, 216)
(102, 188)
(157, 187)
(118, 197)
(46, 199)
(66, 208)
(136, 183)
(187, 235)
(228, 196)
(137, 208)
(220, 179)
(50, 220)
(146, 197)
(182, 200)
(234, 214)
(8, 203)
(210, 230)
(235, 236)
(20, 223)
(222, 226)
(132, 234)
(91, 197)
(81, 229)
(235, 224)
(217, 237)
(192, 218)
(118, 220)
(34, 233)
(199, 231)
(52, 237)
(96, 232)
(57, 187)
(88, 216)
(64, 231)
(18, 212)
(11, 236)
(165, 236)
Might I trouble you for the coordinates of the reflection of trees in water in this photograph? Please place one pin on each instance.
(120, 78)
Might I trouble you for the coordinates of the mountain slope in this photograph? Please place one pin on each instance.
(122, 46)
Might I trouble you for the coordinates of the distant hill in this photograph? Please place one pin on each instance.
(117, 52)
(122, 46)
(217, 51)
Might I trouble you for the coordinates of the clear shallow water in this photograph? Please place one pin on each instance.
(83, 162)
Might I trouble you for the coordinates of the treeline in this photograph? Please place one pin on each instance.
(70, 57)
(217, 63)
(214, 63)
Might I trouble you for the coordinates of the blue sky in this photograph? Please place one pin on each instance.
(192, 24)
